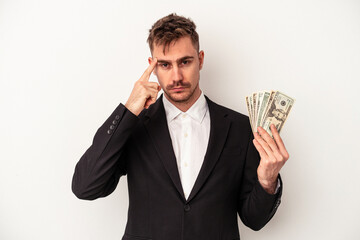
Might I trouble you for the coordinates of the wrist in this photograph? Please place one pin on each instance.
(132, 109)
(268, 185)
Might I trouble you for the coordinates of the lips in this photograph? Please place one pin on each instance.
(178, 89)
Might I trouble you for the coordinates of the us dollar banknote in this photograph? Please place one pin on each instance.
(268, 107)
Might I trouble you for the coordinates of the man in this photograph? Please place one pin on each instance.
(191, 164)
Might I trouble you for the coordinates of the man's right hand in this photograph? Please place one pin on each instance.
(144, 92)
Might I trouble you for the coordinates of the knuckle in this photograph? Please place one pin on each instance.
(265, 162)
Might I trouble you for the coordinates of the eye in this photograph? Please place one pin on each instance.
(164, 65)
(185, 62)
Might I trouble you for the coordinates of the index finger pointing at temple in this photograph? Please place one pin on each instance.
(149, 70)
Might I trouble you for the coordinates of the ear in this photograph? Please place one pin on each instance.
(201, 59)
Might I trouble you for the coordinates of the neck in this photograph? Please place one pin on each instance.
(184, 106)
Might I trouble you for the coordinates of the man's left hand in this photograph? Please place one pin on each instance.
(273, 156)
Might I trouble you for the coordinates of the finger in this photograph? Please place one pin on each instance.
(263, 144)
(151, 99)
(153, 85)
(269, 140)
(152, 94)
(260, 149)
(149, 70)
(272, 144)
(279, 141)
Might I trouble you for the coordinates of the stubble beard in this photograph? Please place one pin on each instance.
(185, 99)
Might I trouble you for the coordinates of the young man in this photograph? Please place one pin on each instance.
(191, 164)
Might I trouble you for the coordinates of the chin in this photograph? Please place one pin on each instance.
(180, 98)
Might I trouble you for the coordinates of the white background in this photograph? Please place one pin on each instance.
(65, 66)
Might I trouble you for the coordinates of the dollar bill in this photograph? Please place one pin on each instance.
(277, 112)
(263, 106)
(268, 107)
(271, 98)
(254, 109)
(249, 109)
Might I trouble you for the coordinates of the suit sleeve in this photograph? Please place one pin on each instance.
(98, 171)
(256, 206)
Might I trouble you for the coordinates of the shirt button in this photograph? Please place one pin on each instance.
(109, 132)
(184, 115)
(185, 135)
(117, 117)
(186, 164)
(187, 208)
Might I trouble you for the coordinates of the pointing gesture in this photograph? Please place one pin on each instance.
(144, 92)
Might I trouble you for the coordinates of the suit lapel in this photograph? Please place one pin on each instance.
(157, 127)
(219, 127)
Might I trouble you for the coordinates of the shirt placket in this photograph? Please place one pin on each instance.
(186, 153)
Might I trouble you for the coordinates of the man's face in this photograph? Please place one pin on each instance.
(178, 70)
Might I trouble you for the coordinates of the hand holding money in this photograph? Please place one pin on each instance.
(268, 112)
(273, 156)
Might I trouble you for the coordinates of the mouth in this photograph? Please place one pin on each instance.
(178, 89)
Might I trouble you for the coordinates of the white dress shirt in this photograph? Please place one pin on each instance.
(189, 133)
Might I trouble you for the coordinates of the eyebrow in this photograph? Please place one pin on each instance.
(177, 60)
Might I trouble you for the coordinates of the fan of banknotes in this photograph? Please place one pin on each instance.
(268, 107)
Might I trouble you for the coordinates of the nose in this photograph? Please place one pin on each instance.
(176, 74)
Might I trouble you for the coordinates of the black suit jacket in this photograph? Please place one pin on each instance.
(141, 148)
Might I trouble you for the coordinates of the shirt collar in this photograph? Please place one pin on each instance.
(170, 110)
(197, 111)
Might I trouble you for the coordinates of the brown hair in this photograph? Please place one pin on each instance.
(170, 28)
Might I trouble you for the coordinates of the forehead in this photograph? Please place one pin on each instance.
(176, 49)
